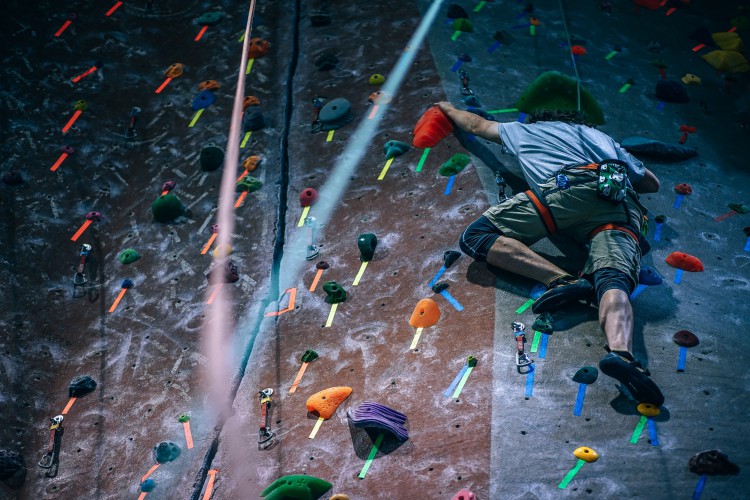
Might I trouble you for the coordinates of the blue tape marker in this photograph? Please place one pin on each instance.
(452, 300)
(747, 245)
(455, 382)
(457, 65)
(652, 432)
(660, 106)
(451, 179)
(493, 47)
(579, 400)
(437, 276)
(678, 276)
(530, 381)
(682, 360)
(657, 232)
(543, 346)
(521, 117)
(699, 487)
(678, 201)
(638, 291)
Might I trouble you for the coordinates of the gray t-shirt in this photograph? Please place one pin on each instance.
(543, 148)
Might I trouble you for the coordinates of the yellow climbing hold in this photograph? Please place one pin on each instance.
(728, 41)
(377, 79)
(648, 410)
(586, 454)
(224, 250)
(691, 79)
(727, 60)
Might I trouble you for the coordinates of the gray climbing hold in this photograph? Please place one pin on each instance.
(586, 375)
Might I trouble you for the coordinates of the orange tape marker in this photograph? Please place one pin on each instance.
(200, 33)
(118, 299)
(113, 9)
(63, 27)
(150, 471)
(161, 87)
(290, 307)
(298, 377)
(210, 484)
(240, 199)
(71, 121)
(208, 244)
(86, 73)
(732, 29)
(699, 47)
(214, 293)
(81, 230)
(316, 280)
(142, 495)
(243, 174)
(373, 113)
(188, 434)
(671, 11)
(68, 406)
(59, 162)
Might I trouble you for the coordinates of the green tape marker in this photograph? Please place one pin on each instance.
(532, 30)
(610, 55)
(535, 342)
(638, 429)
(525, 306)
(624, 88)
(455, 35)
(195, 118)
(506, 110)
(241, 38)
(422, 160)
(570, 475)
(461, 384)
(479, 6)
(371, 457)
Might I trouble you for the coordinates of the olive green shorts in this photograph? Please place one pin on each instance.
(577, 211)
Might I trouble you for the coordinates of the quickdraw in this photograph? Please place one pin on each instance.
(265, 436)
(51, 457)
(79, 278)
(465, 90)
(519, 333)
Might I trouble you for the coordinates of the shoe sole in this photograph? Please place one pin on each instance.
(640, 385)
(558, 297)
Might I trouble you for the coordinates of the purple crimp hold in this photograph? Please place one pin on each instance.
(370, 414)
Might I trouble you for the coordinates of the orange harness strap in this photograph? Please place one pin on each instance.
(614, 227)
(543, 211)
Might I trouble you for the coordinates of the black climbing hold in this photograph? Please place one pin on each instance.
(660, 219)
(455, 11)
(80, 386)
(464, 58)
(671, 91)
(746, 230)
(166, 451)
(367, 243)
(12, 178)
(212, 157)
(326, 61)
(309, 355)
(658, 150)
(586, 375)
(712, 463)
(503, 37)
(252, 119)
(450, 257)
(12, 468)
(127, 283)
(322, 265)
(543, 323)
(702, 35)
(334, 292)
(320, 17)
(471, 361)
(227, 273)
(439, 286)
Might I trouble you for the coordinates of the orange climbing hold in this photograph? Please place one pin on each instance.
(325, 402)
(685, 262)
(174, 70)
(251, 163)
(426, 314)
(250, 100)
(257, 47)
(431, 128)
(211, 85)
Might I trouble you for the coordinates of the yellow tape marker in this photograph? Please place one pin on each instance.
(317, 426)
(385, 169)
(249, 66)
(245, 139)
(305, 211)
(359, 274)
(331, 314)
(330, 136)
(195, 118)
(414, 341)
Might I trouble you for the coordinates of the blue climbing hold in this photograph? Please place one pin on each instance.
(204, 99)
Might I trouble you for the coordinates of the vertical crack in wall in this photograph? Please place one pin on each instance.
(278, 253)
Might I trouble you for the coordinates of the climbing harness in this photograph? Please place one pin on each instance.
(79, 278)
(265, 436)
(519, 333)
(52, 455)
(465, 90)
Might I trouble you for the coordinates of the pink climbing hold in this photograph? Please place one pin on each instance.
(683, 189)
(464, 494)
(308, 197)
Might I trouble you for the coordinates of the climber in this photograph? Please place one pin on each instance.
(583, 185)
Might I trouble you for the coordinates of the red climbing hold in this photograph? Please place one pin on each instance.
(683, 189)
(649, 4)
(431, 128)
(308, 197)
(685, 262)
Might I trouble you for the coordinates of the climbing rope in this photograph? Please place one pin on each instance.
(570, 52)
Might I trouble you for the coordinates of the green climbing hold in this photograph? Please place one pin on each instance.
(296, 487)
(454, 165)
(211, 158)
(128, 256)
(309, 355)
(740, 208)
(471, 361)
(367, 243)
(462, 24)
(376, 79)
(586, 375)
(554, 91)
(393, 149)
(334, 292)
(167, 208)
(184, 417)
(210, 18)
(543, 323)
(248, 183)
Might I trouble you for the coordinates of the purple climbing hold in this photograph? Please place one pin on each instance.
(168, 186)
(369, 415)
(322, 265)
(68, 150)
(95, 216)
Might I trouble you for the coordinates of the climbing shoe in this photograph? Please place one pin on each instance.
(563, 291)
(633, 377)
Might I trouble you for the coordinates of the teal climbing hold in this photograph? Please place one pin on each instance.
(167, 208)
(366, 244)
(166, 451)
(309, 355)
(128, 256)
(296, 487)
(210, 18)
(543, 323)
(740, 208)
(393, 149)
(248, 183)
(454, 165)
(586, 375)
(335, 293)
